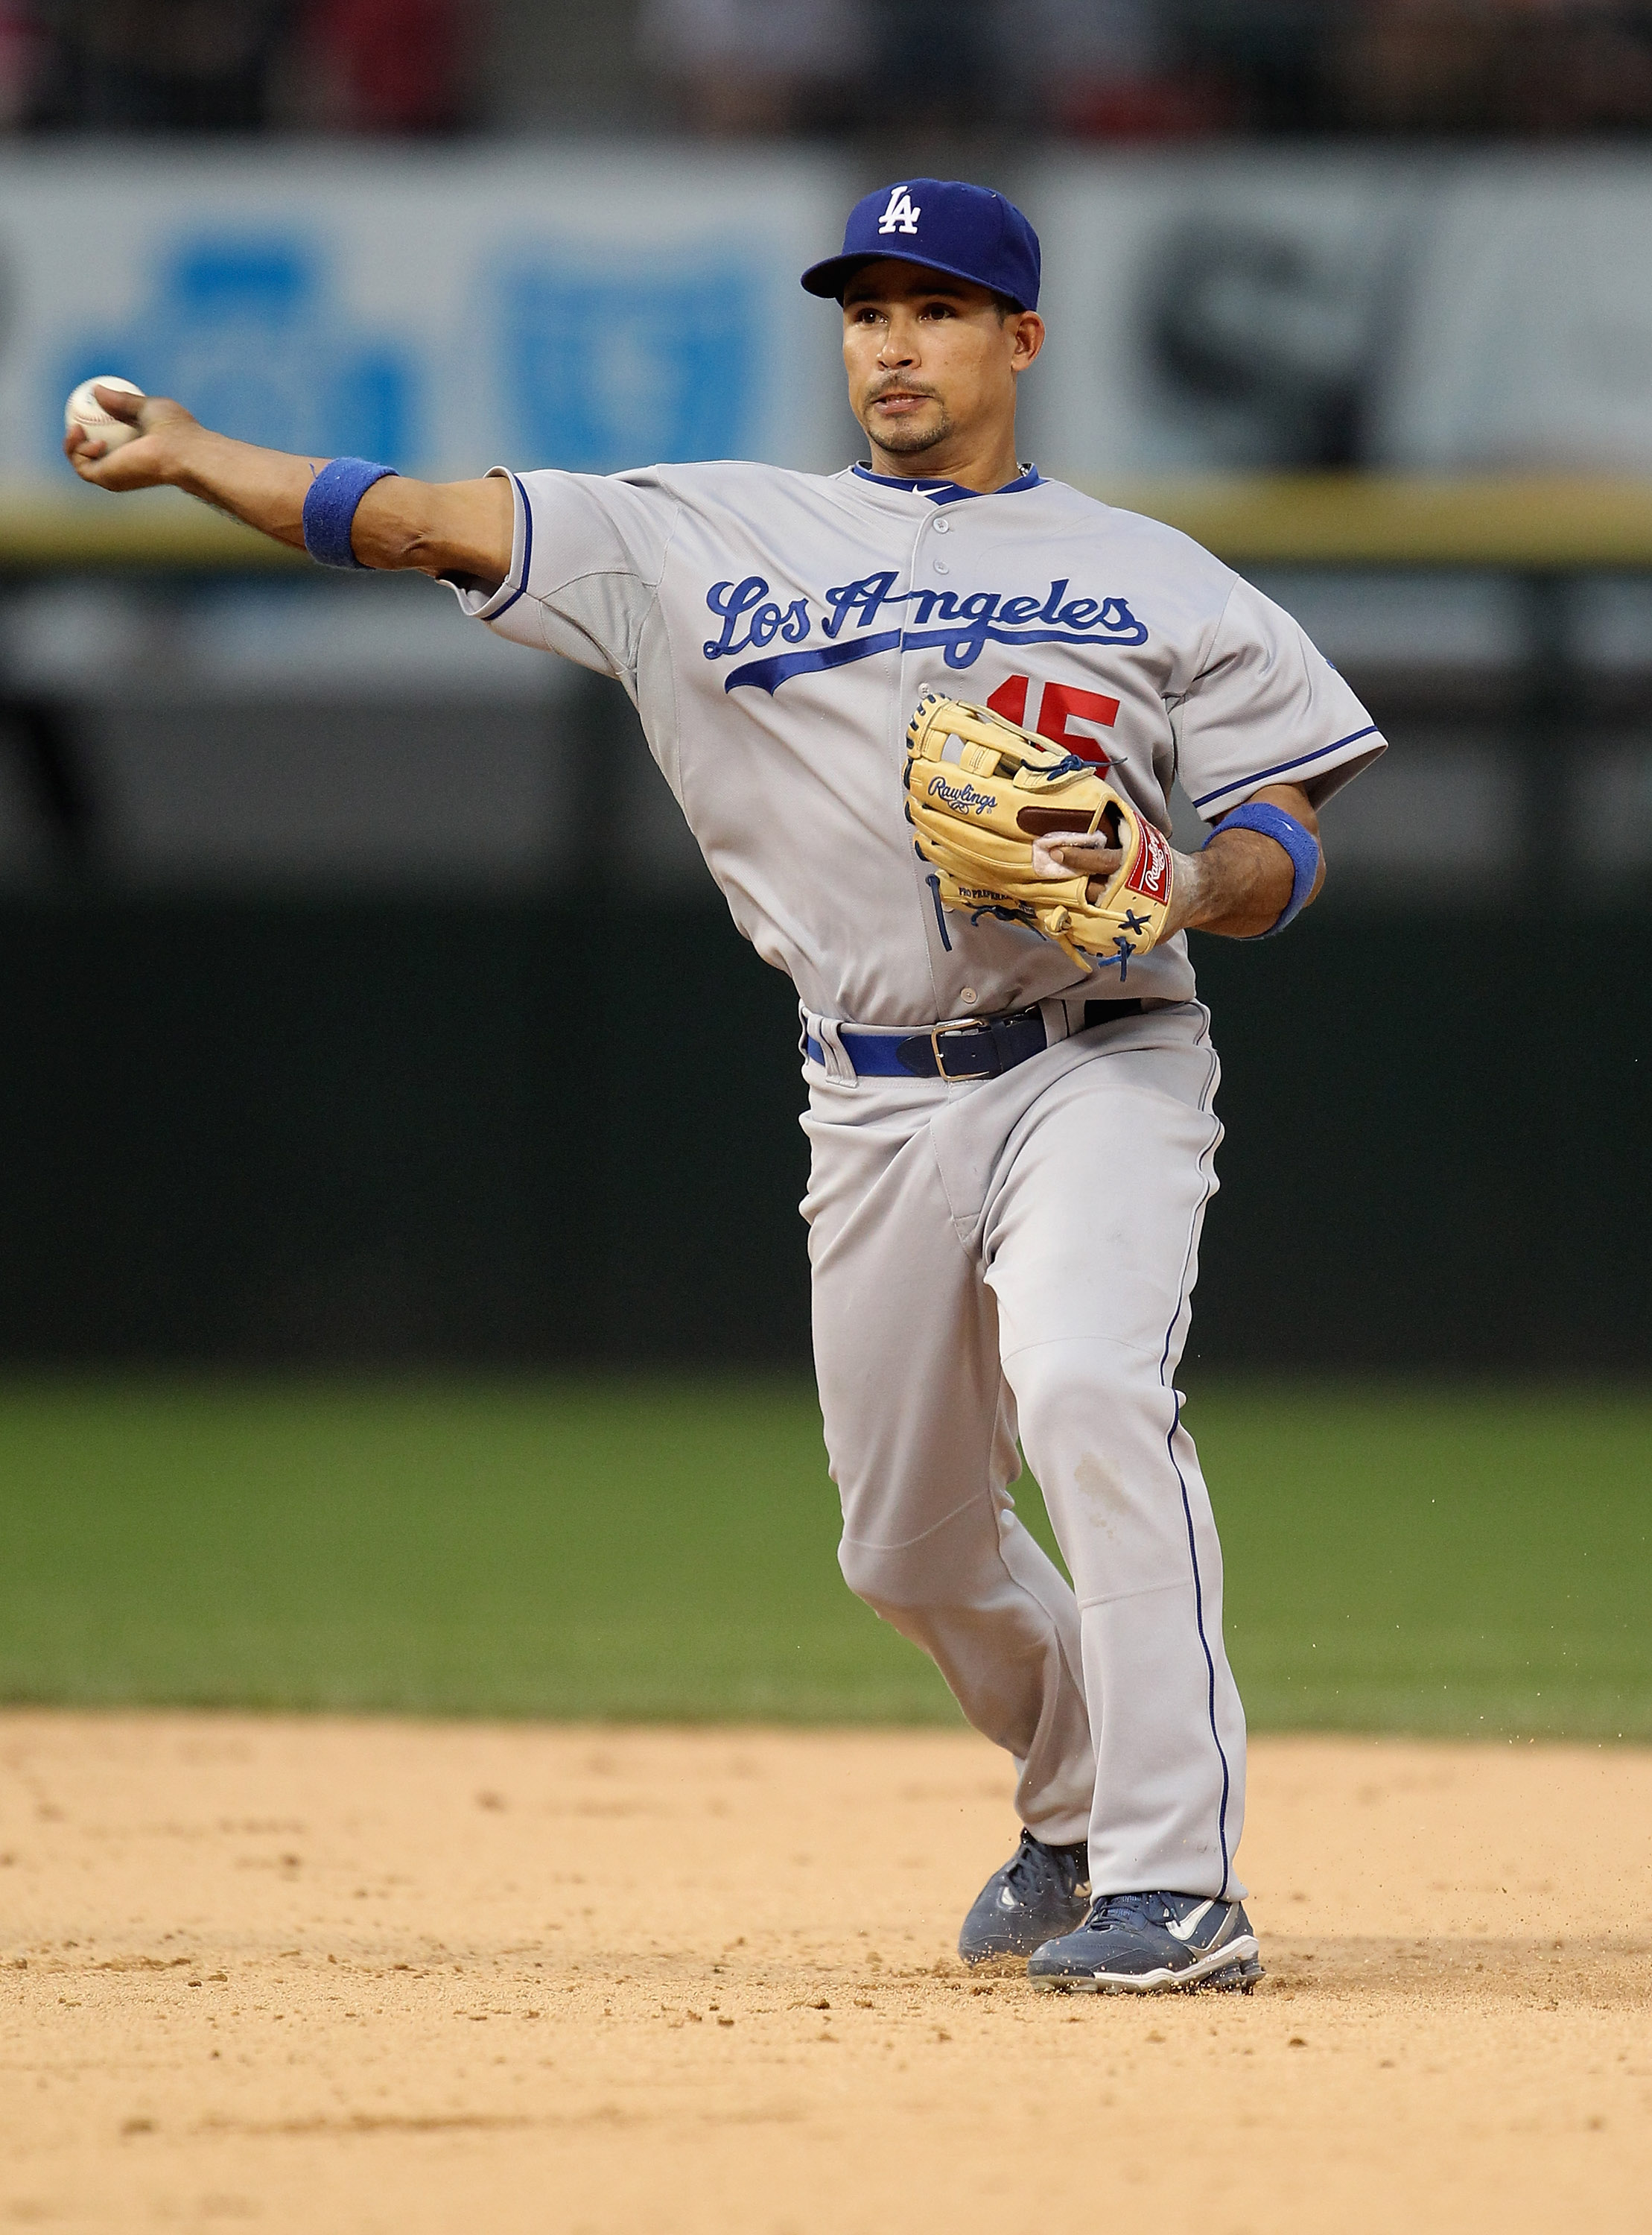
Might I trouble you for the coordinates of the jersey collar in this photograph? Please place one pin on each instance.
(947, 492)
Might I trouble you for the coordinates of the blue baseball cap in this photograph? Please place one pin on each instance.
(967, 232)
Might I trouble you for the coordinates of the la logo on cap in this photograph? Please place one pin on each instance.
(900, 216)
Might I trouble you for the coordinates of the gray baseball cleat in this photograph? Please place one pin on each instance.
(1040, 1891)
(1152, 1943)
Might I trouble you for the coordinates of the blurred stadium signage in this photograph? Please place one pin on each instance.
(1249, 312)
(583, 308)
(597, 307)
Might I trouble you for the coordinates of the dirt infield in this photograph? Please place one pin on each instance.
(339, 1976)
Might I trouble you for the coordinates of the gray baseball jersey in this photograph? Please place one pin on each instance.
(776, 629)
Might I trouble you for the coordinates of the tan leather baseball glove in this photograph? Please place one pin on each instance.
(981, 790)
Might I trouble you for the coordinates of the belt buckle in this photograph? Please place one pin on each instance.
(939, 1032)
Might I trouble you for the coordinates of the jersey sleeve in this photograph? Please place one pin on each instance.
(1267, 707)
(587, 555)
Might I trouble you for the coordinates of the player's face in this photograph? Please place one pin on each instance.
(929, 359)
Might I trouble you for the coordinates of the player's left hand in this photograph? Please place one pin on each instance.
(1238, 884)
(1063, 854)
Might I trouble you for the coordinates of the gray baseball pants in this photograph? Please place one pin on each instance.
(1013, 1258)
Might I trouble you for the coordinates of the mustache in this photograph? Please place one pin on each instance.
(894, 385)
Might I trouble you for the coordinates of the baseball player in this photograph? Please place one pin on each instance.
(1012, 1142)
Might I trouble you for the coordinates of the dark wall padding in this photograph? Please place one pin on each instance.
(399, 1132)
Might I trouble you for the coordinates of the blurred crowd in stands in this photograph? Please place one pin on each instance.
(370, 66)
(1120, 70)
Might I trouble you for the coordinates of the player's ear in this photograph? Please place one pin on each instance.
(1027, 339)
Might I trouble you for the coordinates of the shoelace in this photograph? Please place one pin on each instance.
(1026, 1865)
(1128, 1908)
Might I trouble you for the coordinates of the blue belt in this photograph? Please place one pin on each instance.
(983, 1049)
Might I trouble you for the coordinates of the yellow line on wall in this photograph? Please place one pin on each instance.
(1530, 522)
(1337, 518)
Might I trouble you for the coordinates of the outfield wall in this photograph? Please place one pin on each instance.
(312, 1055)
(393, 1131)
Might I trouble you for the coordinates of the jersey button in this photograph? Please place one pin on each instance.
(943, 528)
(969, 997)
(941, 567)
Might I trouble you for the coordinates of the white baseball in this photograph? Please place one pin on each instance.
(83, 410)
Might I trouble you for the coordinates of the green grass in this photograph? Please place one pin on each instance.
(1398, 1558)
(1468, 1562)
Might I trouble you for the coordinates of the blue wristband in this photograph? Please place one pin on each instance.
(329, 508)
(1302, 846)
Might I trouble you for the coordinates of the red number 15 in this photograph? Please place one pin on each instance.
(1059, 701)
